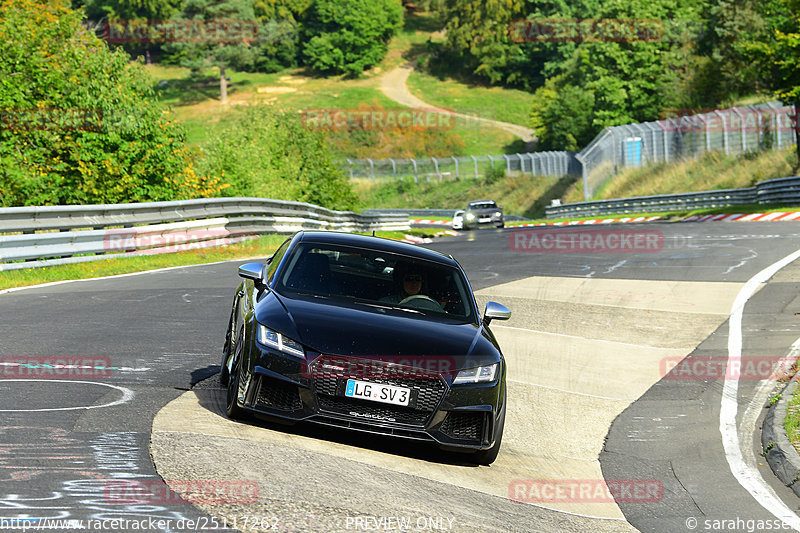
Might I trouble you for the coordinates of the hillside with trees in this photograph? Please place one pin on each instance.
(592, 64)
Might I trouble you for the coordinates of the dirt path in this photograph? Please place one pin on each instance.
(393, 85)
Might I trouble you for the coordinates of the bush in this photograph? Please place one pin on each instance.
(562, 115)
(270, 154)
(494, 173)
(79, 123)
(349, 36)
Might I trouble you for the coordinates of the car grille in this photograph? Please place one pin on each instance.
(463, 426)
(427, 392)
(276, 394)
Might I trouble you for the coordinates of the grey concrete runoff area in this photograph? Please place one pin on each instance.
(590, 343)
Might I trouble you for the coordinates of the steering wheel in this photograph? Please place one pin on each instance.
(422, 302)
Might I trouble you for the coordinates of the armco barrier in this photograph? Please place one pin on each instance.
(39, 236)
(779, 191)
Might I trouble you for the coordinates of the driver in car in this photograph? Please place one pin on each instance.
(407, 281)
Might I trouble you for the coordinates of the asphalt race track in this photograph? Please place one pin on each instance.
(112, 381)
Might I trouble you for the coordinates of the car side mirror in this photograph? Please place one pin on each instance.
(497, 311)
(254, 272)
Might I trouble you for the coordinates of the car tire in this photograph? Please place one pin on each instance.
(232, 408)
(227, 351)
(487, 457)
(501, 225)
(223, 370)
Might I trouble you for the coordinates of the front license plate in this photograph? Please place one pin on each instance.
(377, 392)
(487, 219)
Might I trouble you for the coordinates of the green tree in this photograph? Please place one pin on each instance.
(779, 53)
(733, 66)
(270, 154)
(219, 50)
(279, 46)
(99, 13)
(637, 60)
(79, 123)
(562, 115)
(128, 9)
(478, 33)
(349, 36)
(787, 53)
(280, 9)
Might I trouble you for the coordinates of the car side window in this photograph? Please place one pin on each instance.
(276, 260)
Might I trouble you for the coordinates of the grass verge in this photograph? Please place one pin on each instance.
(792, 421)
(519, 194)
(713, 171)
(495, 103)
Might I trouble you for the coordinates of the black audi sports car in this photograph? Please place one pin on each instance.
(368, 334)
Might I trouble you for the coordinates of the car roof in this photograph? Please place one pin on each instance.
(374, 243)
(481, 202)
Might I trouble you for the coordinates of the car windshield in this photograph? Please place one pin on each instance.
(377, 279)
(482, 205)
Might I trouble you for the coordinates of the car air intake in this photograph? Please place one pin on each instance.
(464, 426)
(276, 394)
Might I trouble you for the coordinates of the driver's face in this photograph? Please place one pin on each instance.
(412, 284)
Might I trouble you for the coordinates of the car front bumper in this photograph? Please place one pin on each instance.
(460, 417)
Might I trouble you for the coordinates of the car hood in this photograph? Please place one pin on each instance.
(343, 328)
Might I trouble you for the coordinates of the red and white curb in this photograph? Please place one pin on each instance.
(428, 221)
(592, 221)
(752, 217)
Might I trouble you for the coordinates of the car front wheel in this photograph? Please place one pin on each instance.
(227, 350)
(232, 408)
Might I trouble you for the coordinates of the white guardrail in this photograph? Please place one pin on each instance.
(41, 236)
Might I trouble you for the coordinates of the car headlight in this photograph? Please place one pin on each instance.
(279, 341)
(498, 214)
(470, 216)
(481, 374)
